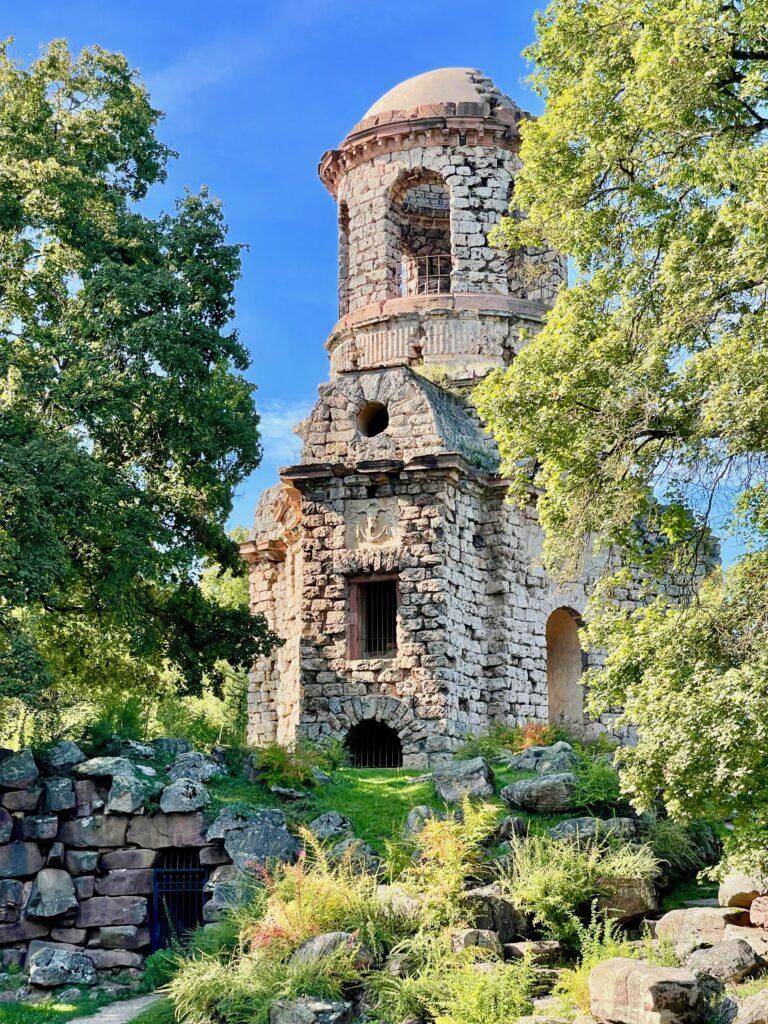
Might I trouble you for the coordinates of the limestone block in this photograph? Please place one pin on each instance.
(123, 937)
(125, 882)
(740, 890)
(11, 890)
(39, 827)
(625, 899)
(323, 945)
(98, 830)
(330, 825)
(631, 992)
(727, 962)
(163, 830)
(757, 938)
(129, 859)
(261, 841)
(488, 908)
(183, 796)
(6, 826)
(22, 931)
(85, 886)
(693, 927)
(111, 910)
(196, 766)
(483, 938)
(22, 800)
(59, 795)
(62, 758)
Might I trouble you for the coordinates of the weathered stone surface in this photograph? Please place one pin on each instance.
(6, 825)
(163, 830)
(111, 910)
(39, 827)
(227, 820)
(538, 951)
(19, 860)
(210, 856)
(183, 796)
(589, 828)
(53, 894)
(631, 992)
(123, 937)
(727, 962)
(758, 912)
(22, 799)
(757, 938)
(226, 885)
(11, 890)
(128, 793)
(489, 909)
(85, 886)
(104, 768)
(22, 931)
(309, 1011)
(132, 860)
(72, 936)
(62, 758)
(196, 766)
(323, 945)
(361, 857)
(456, 780)
(511, 827)
(740, 890)
(691, 928)
(125, 882)
(418, 817)
(81, 862)
(59, 795)
(483, 938)
(50, 968)
(625, 899)
(55, 858)
(560, 757)
(98, 830)
(753, 1009)
(396, 900)
(260, 842)
(551, 794)
(19, 771)
(527, 759)
(167, 746)
(330, 825)
(107, 959)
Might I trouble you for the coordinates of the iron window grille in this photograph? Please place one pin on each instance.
(373, 618)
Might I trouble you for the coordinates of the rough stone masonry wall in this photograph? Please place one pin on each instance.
(77, 856)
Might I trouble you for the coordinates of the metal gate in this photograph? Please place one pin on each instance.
(177, 896)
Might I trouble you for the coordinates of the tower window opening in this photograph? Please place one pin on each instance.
(373, 618)
(425, 239)
(372, 419)
(373, 744)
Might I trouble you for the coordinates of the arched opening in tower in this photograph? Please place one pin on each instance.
(564, 669)
(423, 214)
(373, 744)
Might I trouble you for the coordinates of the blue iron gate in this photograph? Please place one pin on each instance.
(177, 896)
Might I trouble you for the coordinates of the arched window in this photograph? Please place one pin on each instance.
(564, 668)
(373, 744)
(422, 211)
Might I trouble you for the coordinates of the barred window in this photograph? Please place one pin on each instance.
(373, 618)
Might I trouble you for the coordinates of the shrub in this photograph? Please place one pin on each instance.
(597, 787)
(279, 765)
(556, 880)
(501, 737)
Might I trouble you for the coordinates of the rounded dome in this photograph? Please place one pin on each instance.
(440, 87)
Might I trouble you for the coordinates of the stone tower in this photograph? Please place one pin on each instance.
(409, 594)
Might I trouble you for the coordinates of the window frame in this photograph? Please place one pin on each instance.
(356, 584)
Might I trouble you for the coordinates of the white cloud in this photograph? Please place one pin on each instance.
(278, 418)
(201, 68)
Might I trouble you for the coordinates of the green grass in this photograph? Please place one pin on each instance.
(750, 987)
(49, 1013)
(687, 890)
(159, 1013)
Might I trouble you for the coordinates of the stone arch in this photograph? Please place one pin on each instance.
(420, 234)
(565, 664)
(374, 744)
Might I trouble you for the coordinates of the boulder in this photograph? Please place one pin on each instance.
(511, 827)
(126, 882)
(124, 936)
(167, 746)
(50, 968)
(625, 899)
(132, 749)
(741, 890)
(11, 893)
(53, 893)
(132, 860)
(19, 860)
(560, 757)
(287, 792)
(307, 1010)
(226, 886)
(418, 817)
(81, 862)
(590, 828)
(758, 912)
(19, 771)
(483, 938)
(196, 766)
(396, 900)
(228, 819)
(490, 910)
(630, 992)
(456, 780)
(6, 826)
(111, 910)
(753, 1009)
(757, 938)
(39, 827)
(108, 959)
(727, 963)
(59, 795)
(551, 794)
(183, 796)
(161, 831)
(321, 946)
(538, 951)
(693, 927)
(527, 759)
(262, 841)
(321, 778)
(128, 793)
(22, 800)
(61, 759)
(98, 830)
(104, 768)
(362, 858)
(330, 825)
(211, 856)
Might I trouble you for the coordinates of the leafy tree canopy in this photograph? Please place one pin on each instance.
(650, 377)
(125, 421)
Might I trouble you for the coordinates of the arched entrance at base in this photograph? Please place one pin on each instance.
(565, 663)
(372, 744)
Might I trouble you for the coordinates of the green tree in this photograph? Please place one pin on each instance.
(642, 404)
(125, 421)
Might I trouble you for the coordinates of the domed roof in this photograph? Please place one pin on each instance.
(439, 87)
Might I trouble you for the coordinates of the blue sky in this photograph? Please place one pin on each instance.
(254, 93)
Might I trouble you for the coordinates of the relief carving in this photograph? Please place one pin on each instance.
(371, 523)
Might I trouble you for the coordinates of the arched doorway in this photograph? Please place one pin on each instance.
(373, 744)
(564, 668)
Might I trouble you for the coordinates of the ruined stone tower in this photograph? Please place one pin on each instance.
(410, 596)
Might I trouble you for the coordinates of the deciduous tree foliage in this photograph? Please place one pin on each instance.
(125, 421)
(650, 378)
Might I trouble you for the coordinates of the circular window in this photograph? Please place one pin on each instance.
(372, 419)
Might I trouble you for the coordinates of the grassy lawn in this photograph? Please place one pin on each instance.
(48, 1013)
